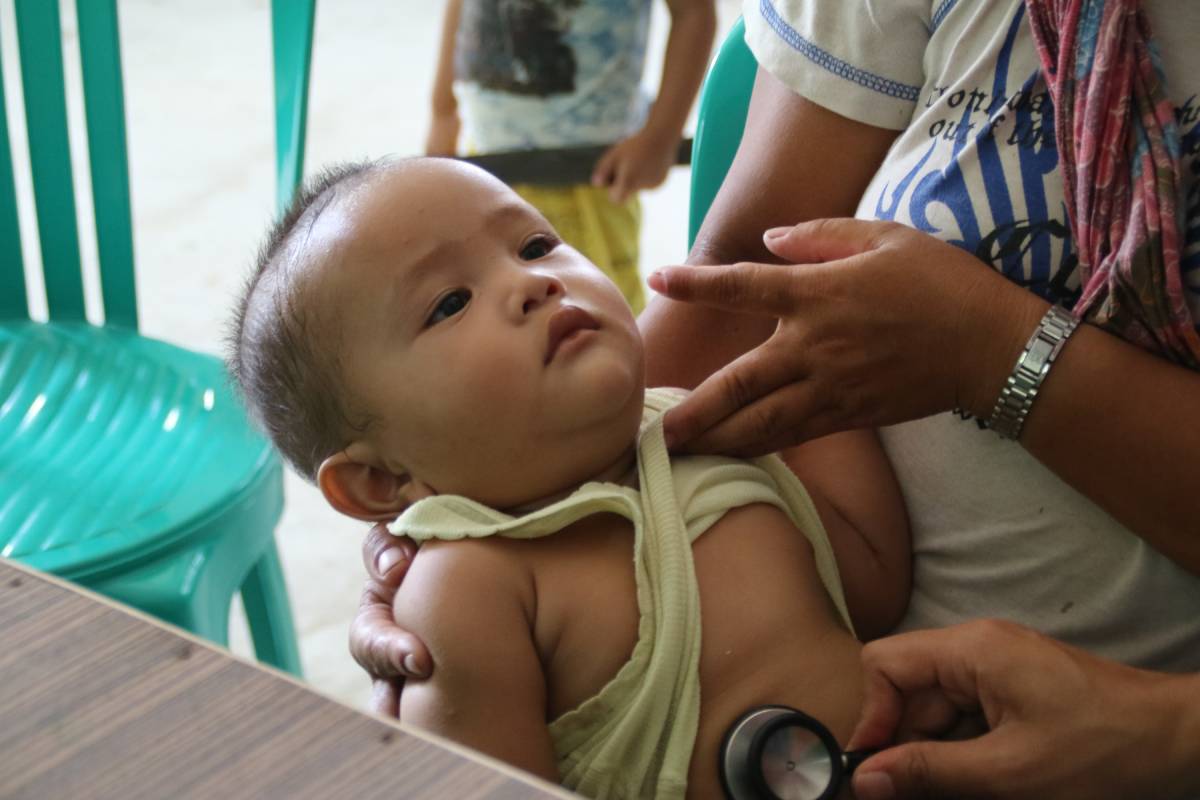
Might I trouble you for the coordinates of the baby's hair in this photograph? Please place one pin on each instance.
(290, 384)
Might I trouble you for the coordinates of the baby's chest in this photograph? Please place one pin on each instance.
(586, 619)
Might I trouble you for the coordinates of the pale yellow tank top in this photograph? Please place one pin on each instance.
(634, 739)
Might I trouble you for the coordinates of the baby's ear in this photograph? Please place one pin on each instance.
(364, 491)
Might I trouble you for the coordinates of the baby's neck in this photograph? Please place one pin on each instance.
(622, 472)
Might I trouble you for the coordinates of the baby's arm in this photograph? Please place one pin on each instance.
(472, 603)
(852, 484)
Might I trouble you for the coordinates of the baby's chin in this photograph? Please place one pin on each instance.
(608, 384)
(595, 446)
(607, 407)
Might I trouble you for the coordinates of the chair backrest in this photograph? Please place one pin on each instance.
(720, 120)
(291, 38)
(39, 36)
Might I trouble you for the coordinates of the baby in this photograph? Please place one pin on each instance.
(418, 342)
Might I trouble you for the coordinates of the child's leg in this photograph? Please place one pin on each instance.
(606, 232)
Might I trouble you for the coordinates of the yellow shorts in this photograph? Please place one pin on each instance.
(605, 232)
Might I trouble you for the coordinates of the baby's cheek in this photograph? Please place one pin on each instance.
(492, 395)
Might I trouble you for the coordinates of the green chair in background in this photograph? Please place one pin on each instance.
(127, 464)
(720, 120)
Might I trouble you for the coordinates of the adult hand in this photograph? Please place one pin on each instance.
(639, 162)
(388, 653)
(877, 324)
(1063, 723)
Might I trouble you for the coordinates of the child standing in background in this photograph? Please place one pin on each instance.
(532, 74)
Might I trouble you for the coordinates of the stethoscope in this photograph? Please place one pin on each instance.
(779, 753)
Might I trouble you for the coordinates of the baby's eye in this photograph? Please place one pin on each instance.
(449, 305)
(538, 247)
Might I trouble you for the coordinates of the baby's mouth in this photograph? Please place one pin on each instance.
(565, 323)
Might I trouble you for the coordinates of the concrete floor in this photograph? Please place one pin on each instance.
(198, 96)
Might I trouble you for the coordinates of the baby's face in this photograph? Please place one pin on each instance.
(496, 361)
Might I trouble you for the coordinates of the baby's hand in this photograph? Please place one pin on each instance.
(639, 162)
(388, 653)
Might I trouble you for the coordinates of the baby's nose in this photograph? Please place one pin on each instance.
(540, 288)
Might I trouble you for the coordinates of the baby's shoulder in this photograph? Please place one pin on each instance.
(486, 561)
(449, 580)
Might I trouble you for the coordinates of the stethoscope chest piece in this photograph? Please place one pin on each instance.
(779, 753)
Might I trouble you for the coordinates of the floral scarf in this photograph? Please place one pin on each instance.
(1118, 147)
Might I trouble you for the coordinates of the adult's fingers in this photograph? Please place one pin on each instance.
(735, 398)
(385, 697)
(387, 556)
(383, 649)
(900, 667)
(915, 685)
(779, 418)
(765, 289)
(930, 769)
(822, 240)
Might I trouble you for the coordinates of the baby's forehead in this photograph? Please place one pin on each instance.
(440, 189)
(423, 204)
(400, 217)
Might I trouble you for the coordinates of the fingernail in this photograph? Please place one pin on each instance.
(874, 786)
(775, 233)
(410, 664)
(388, 559)
(658, 281)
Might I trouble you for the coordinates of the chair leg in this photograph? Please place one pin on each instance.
(173, 589)
(264, 596)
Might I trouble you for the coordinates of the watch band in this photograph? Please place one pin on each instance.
(1021, 388)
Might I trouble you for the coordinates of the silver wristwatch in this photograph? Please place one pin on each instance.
(1021, 388)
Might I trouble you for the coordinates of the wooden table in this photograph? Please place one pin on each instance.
(100, 701)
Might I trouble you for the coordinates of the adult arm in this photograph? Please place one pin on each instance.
(1062, 722)
(472, 604)
(642, 160)
(797, 161)
(442, 139)
(887, 325)
(883, 324)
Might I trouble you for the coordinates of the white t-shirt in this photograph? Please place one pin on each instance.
(995, 532)
(550, 73)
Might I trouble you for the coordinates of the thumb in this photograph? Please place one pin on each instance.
(934, 769)
(822, 240)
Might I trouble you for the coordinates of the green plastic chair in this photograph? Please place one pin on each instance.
(720, 121)
(127, 464)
